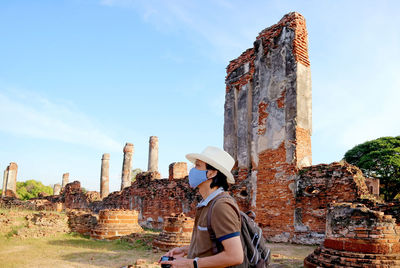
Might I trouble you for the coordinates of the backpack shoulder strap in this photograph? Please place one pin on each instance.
(216, 247)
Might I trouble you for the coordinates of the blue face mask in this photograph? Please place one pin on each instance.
(196, 177)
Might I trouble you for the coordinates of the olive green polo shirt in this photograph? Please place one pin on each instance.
(225, 221)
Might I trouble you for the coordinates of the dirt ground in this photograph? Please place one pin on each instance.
(24, 243)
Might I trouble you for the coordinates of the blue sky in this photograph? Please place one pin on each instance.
(79, 78)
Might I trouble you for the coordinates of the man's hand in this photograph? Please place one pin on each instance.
(180, 263)
(177, 252)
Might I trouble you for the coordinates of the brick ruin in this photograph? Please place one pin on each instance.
(178, 170)
(318, 186)
(357, 236)
(267, 126)
(176, 232)
(114, 223)
(267, 129)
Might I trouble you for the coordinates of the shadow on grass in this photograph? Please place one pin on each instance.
(103, 259)
(78, 241)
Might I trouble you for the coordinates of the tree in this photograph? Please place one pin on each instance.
(134, 173)
(31, 188)
(380, 159)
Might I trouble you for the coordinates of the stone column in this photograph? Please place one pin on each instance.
(127, 166)
(65, 180)
(104, 176)
(3, 193)
(12, 177)
(153, 154)
(56, 189)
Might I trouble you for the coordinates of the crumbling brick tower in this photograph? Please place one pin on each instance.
(267, 126)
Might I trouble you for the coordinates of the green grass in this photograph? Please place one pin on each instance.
(71, 250)
(14, 231)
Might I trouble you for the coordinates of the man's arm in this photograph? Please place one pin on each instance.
(231, 255)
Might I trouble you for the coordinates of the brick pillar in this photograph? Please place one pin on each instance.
(56, 189)
(65, 180)
(267, 124)
(12, 177)
(104, 176)
(127, 166)
(153, 154)
(3, 193)
(178, 170)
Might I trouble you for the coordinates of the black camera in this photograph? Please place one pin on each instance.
(166, 258)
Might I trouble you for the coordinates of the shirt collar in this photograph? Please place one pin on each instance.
(205, 202)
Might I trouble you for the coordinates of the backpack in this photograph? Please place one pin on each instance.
(256, 254)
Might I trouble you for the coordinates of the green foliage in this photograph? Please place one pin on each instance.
(31, 188)
(380, 159)
(134, 173)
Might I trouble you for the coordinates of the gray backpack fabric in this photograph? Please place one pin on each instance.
(256, 254)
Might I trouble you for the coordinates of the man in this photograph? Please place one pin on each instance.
(211, 176)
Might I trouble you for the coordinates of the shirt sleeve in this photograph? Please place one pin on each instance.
(225, 219)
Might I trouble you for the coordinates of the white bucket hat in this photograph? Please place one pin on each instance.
(217, 158)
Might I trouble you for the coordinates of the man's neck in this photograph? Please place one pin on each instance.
(205, 190)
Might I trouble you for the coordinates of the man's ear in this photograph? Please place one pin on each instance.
(211, 174)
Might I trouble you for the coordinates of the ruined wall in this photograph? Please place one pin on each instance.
(114, 223)
(316, 187)
(357, 236)
(74, 198)
(153, 198)
(267, 125)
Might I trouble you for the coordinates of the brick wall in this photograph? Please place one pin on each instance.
(114, 223)
(357, 236)
(81, 221)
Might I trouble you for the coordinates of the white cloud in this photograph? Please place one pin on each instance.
(34, 116)
(217, 23)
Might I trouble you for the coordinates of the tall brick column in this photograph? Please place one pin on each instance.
(127, 166)
(65, 180)
(104, 176)
(267, 126)
(56, 189)
(3, 193)
(153, 154)
(12, 170)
